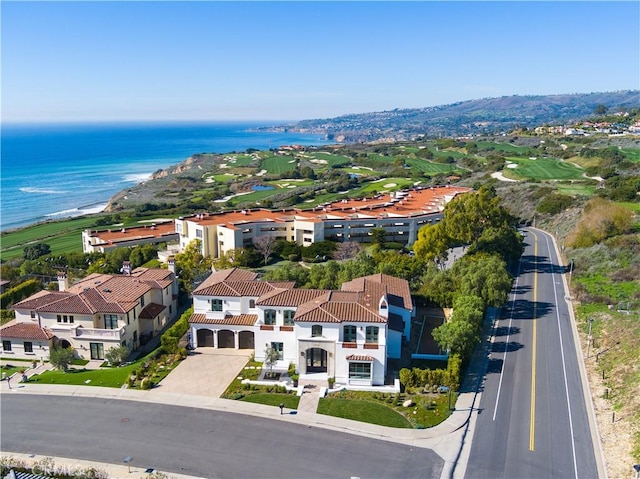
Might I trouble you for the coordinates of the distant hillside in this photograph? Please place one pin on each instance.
(485, 116)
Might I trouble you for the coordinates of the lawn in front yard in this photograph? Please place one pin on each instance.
(385, 409)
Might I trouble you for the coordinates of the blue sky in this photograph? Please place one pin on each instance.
(74, 61)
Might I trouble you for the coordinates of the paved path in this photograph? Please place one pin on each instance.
(311, 393)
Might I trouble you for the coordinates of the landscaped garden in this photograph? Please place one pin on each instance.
(423, 410)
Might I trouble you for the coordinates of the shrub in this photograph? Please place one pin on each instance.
(146, 383)
(61, 358)
(117, 355)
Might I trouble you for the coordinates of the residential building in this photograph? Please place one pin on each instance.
(94, 241)
(348, 334)
(93, 315)
(401, 214)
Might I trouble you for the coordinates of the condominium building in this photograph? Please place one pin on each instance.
(401, 214)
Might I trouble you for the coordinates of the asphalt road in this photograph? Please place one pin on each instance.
(533, 420)
(199, 442)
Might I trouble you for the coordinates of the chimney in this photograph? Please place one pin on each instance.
(63, 281)
(126, 268)
(171, 262)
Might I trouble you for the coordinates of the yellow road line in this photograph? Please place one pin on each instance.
(532, 419)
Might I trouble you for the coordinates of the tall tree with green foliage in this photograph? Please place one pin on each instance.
(61, 358)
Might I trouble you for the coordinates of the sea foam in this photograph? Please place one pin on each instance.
(44, 191)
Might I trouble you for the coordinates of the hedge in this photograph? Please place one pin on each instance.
(171, 337)
(20, 292)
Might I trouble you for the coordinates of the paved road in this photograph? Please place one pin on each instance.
(200, 442)
(534, 421)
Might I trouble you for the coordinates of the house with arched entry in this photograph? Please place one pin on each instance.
(347, 334)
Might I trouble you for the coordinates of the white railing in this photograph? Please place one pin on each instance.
(100, 333)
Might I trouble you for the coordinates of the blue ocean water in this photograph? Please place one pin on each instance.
(56, 171)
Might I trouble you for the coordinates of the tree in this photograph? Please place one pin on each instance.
(378, 236)
(600, 109)
(347, 250)
(117, 355)
(458, 337)
(265, 245)
(61, 358)
(432, 243)
(484, 276)
(36, 250)
(191, 264)
(271, 357)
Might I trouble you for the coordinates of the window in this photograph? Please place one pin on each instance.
(142, 301)
(97, 350)
(359, 370)
(198, 233)
(71, 319)
(127, 317)
(216, 305)
(28, 347)
(269, 316)
(252, 303)
(33, 315)
(279, 347)
(349, 334)
(59, 317)
(110, 321)
(288, 317)
(6, 345)
(316, 331)
(372, 335)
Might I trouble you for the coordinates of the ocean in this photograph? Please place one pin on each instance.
(52, 171)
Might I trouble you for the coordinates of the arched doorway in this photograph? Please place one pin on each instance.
(245, 340)
(316, 360)
(226, 339)
(205, 338)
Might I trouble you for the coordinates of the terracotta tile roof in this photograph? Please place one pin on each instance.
(100, 293)
(158, 230)
(337, 312)
(416, 202)
(397, 289)
(16, 330)
(151, 310)
(290, 297)
(360, 357)
(239, 320)
(237, 282)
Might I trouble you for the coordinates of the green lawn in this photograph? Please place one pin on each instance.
(632, 154)
(576, 189)
(363, 411)
(431, 168)
(105, 377)
(506, 147)
(240, 160)
(277, 165)
(542, 169)
(290, 401)
(331, 159)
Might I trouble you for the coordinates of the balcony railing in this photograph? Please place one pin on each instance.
(350, 345)
(371, 346)
(286, 328)
(267, 327)
(100, 333)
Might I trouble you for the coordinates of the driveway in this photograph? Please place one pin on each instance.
(205, 372)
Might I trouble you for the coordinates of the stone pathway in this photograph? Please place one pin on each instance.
(311, 392)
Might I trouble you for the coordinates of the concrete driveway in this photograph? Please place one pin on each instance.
(205, 372)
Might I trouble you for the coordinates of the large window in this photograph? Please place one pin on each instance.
(349, 334)
(110, 321)
(316, 331)
(288, 317)
(6, 345)
(28, 347)
(269, 316)
(216, 305)
(279, 348)
(372, 335)
(359, 370)
(97, 350)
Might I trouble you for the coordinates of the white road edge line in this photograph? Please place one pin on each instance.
(506, 344)
(564, 368)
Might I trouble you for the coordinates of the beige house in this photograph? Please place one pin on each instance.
(93, 315)
(94, 241)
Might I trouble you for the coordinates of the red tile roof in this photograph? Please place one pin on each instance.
(239, 320)
(15, 330)
(360, 357)
(151, 310)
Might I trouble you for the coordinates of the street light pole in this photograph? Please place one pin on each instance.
(637, 469)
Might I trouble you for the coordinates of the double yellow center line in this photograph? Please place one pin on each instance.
(533, 350)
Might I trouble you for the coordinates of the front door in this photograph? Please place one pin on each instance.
(316, 360)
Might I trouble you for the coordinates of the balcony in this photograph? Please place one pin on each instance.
(91, 333)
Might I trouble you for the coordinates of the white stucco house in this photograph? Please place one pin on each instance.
(93, 315)
(348, 334)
